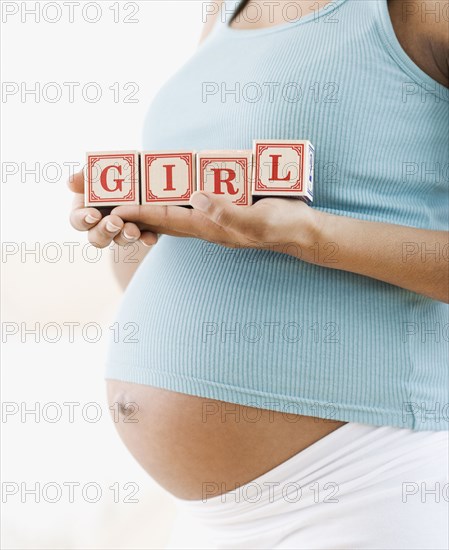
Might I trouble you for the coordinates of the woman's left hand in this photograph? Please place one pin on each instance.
(281, 224)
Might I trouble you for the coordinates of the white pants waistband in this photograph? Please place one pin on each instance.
(359, 487)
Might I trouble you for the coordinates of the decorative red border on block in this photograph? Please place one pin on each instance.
(260, 148)
(93, 197)
(149, 159)
(242, 161)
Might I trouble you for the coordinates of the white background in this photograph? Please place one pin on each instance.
(39, 133)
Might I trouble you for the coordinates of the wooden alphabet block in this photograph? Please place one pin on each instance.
(167, 177)
(112, 178)
(226, 173)
(283, 168)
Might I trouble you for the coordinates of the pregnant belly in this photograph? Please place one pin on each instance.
(196, 447)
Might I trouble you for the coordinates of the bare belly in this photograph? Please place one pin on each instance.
(196, 447)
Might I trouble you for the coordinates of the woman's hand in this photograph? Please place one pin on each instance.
(102, 230)
(373, 249)
(284, 225)
(387, 252)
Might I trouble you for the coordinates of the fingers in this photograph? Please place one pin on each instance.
(245, 220)
(86, 219)
(129, 234)
(109, 229)
(83, 219)
(76, 182)
(149, 239)
(154, 216)
(112, 228)
(171, 220)
(102, 234)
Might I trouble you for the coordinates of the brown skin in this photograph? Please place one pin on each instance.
(196, 447)
(177, 443)
(424, 37)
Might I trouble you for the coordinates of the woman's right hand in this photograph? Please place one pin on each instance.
(102, 230)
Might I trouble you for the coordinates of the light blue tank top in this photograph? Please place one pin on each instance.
(265, 329)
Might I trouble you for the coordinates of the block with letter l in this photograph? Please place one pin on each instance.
(283, 168)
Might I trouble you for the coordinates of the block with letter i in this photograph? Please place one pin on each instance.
(284, 168)
(112, 178)
(167, 177)
(227, 174)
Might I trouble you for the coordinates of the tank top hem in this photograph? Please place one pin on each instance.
(289, 405)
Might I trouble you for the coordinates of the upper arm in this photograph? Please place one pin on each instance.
(210, 12)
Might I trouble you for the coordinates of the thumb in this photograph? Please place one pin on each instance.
(221, 211)
(76, 182)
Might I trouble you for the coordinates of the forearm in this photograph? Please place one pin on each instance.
(376, 250)
(414, 259)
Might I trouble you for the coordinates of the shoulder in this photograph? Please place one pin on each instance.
(210, 14)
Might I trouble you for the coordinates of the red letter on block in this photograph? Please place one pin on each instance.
(168, 178)
(104, 179)
(283, 168)
(232, 168)
(218, 180)
(112, 178)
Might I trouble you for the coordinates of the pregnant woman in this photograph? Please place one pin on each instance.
(291, 366)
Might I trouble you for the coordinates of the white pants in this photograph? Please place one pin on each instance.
(359, 487)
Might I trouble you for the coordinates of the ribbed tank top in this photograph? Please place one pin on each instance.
(265, 329)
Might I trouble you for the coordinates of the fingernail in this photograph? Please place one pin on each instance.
(111, 227)
(200, 202)
(129, 237)
(145, 244)
(91, 219)
(156, 238)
